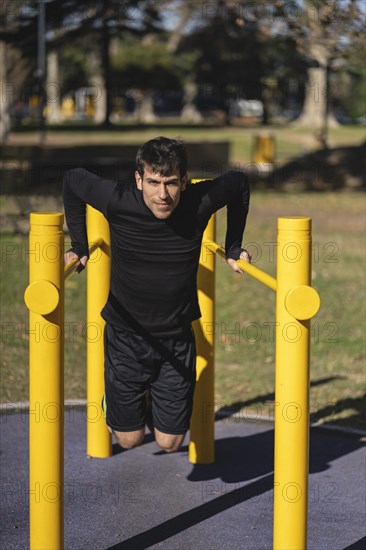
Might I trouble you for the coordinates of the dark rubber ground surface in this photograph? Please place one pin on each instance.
(144, 498)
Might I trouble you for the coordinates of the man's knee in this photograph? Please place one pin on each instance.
(129, 440)
(169, 442)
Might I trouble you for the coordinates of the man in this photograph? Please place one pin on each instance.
(156, 231)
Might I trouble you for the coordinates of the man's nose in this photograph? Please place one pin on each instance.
(163, 193)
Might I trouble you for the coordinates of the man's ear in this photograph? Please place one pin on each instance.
(138, 180)
(184, 183)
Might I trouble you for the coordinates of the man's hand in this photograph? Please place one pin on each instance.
(70, 256)
(245, 255)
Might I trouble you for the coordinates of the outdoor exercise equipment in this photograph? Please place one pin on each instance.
(264, 149)
(296, 303)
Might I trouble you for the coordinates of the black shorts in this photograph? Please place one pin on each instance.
(135, 363)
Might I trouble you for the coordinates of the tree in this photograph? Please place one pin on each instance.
(101, 22)
(146, 67)
(179, 18)
(15, 29)
(235, 54)
(68, 20)
(324, 31)
(155, 64)
(4, 113)
(228, 61)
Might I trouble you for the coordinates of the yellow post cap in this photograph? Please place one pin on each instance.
(41, 297)
(294, 223)
(46, 218)
(302, 302)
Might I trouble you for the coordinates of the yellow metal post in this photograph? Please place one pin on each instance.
(45, 299)
(264, 149)
(99, 442)
(296, 303)
(201, 446)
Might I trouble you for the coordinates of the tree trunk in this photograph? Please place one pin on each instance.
(315, 112)
(144, 106)
(314, 104)
(53, 90)
(147, 107)
(98, 84)
(4, 100)
(100, 102)
(106, 70)
(190, 112)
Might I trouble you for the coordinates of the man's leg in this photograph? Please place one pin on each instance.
(169, 442)
(129, 440)
(172, 390)
(126, 382)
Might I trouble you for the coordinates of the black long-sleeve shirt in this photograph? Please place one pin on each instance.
(154, 261)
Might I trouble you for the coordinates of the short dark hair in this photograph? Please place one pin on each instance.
(163, 156)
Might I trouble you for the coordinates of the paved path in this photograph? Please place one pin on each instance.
(144, 498)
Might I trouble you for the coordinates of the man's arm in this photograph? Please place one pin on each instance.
(81, 187)
(231, 190)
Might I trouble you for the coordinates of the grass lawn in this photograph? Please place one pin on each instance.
(245, 310)
(244, 313)
(290, 140)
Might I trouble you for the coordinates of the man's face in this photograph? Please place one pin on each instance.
(161, 193)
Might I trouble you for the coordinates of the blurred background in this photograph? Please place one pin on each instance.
(225, 62)
(276, 89)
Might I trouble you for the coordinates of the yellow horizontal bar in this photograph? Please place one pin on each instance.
(253, 271)
(71, 267)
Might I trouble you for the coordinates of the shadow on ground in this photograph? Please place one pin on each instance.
(240, 460)
(359, 545)
(324, 170)
(356, 404)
